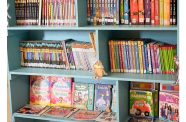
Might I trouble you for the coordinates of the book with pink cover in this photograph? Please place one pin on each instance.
(39, 90)
(61, 91)
(60, 112)
(169, 106)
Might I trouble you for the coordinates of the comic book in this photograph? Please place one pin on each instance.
(142, 103)
(83, 96)
(61, 91)
(107, 117)
(39, 90)
(169, 106)
(60, 112)
(85, 115)
(35, 110)
(102, 97)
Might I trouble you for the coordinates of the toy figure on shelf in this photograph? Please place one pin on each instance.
(176, 61)
(99, 71)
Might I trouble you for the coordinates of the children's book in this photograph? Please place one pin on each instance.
(35, 110)
(59, 112)
(83, 96)
(107, 117)
(169, 87)
(114, 97)
(61, 91)
(142, 103)
(85, 115)
(140, 119)
(39, 90)
(142, 86)
(102, 97)
(169, 106)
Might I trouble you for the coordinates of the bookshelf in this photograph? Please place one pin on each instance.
(19, 76)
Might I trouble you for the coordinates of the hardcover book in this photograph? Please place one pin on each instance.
(59, 112)
(85, 115)
(39, 90)
(107, 117)
(102, 97)
(83, 96)
(35, 110)
(61, 91)
(169, 106)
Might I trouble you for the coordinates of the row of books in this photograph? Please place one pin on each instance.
(61, 91)
(45, 12)
(70, 113)
(142, 56)
(67, 54)
(148, 12)
(146, 102)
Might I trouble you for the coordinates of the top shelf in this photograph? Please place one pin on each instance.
(106, 27)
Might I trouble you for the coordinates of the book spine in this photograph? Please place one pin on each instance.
(147, 12)
(171, 12)
(133, 57)
(128, 57)
(140, 44)
(117, 12)
(166, 12)
(117, 58)
(152, 12)
(121, 11)
(174, 13)
(113, 55)
(120, 56)
(161, 12)
(156, 12)
(146, 58)
(144, 62)
(141, 11)
(125, 56)
(153, 58)
(110, 55)
(91, 97)
(134, 11)
(126, 12)
(137, 57)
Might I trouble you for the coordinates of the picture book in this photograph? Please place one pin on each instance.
(169, 106)
(142, 86)
(85, 115)
(102, 97)
(107, 117)
(141, 103)
(83, 96)
(39, 90)
(35, 110)
(140, 119)
(169, 87)
(61, 91)
(59, 112)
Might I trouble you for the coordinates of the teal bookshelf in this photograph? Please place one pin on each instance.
(18, 77)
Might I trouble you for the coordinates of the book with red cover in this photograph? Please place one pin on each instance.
(141, 11)
(152, 12)
(134, 12)
(156, 22)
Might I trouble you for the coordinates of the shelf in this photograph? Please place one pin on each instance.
(163, 78)
(106, 27)
(45, 118)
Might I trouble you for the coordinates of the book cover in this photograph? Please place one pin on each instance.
(141, 103)
(102, 97)
(35, 110)
(39, 90)
(59, 112)
(81, 96)
(85, 115)
(61, 91)
(107, 117)
(169, 106)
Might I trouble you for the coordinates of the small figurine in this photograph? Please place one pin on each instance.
(99, 71)
(176, 61)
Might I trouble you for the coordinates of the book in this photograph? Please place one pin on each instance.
(114, 99)
(166, 12)
(169, 87)
(39, 90)
(102, 97)
(141, 11)
(156, 12)
(35, 110)
(83, 96)
(142, 103)
(134, 11)
(141, 119)
(126, 12)
(59, 112)
(85, 115)
(169, 106)
(61, 91)
(147, 12)
(152, 12)
(142, 86)
(107, 117)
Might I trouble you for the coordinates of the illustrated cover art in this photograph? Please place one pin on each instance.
(36, 110)
(60, 112)
(107, 117)
(85, 115)
(102, 97)
(61, 91)
(39, 90)
(169, 106)
(81, 95)
(141, 103)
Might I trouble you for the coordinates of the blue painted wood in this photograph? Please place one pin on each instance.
(94, 81)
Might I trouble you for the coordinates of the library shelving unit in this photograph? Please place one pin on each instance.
(19, 76)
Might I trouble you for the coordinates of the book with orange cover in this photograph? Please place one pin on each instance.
(156, 22)
(134, 11)
(141, 11)
(166, 12)
(152, 12)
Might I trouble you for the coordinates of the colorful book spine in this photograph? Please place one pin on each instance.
(122, 11)
(141, 11)
(147, 12)
(174, 13)
(166, 12)
(125, 56)
(152, 12)
(91, 91)
(140, 44)
(134, 11)
(157, 12)
(137, 57)
(126, 12)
